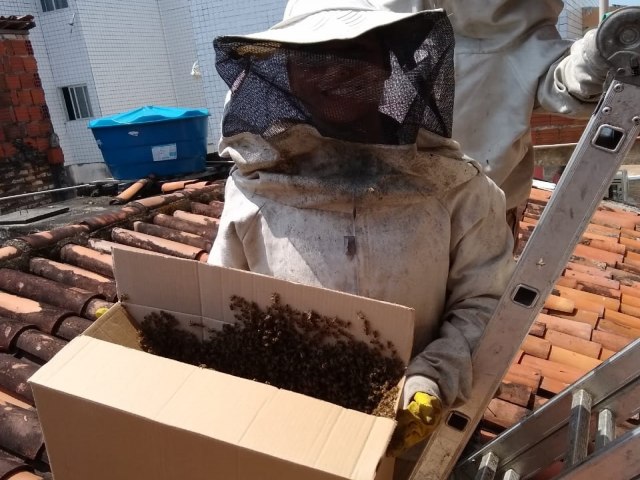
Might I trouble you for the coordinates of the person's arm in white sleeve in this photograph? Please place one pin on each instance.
(574, 83)
(481, 264)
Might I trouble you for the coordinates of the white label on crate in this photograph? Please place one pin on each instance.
(162, 153)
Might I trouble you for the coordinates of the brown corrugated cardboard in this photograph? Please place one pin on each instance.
(111, 411)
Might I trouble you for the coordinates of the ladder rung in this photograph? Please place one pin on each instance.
(606, 428)
(579, 428)
(488, 467)
(618, 460)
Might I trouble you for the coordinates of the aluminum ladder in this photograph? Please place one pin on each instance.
(607, 139)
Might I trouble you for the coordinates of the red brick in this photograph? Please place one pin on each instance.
(21, 113)
(37, 95)
(15, 97)
(16, 65)
(55, 156)
(35, 113)
(3, 80)
(9, 150)
(30, 64)
(27, 80)
(2, 136)
(13, 132)
(45, 128)
(5, 99)
(3, 47)
(19, 47)
(7, 115)
(43, 144)
(33, 130)
(13, 82)
(25, 98)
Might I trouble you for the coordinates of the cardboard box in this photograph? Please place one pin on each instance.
(111, 411)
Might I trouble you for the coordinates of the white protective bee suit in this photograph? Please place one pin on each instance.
(509, 61)
(416, 224)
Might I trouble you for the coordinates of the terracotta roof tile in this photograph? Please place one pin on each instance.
(593, 312)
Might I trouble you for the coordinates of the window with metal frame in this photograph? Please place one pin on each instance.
(50, 5)
(76, 100)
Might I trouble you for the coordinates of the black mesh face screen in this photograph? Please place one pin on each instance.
(378, 88)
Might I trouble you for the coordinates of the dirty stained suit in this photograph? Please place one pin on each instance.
(418, 225)
(509, 61)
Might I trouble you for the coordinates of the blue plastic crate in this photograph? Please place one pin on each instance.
(163, 141)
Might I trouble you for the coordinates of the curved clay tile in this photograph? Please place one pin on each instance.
(111, 218)
(10, 330)
(87, 258)
(206, 231)
(10, 465)
(14, 374)
(21, 432)
(174, 235)
(51, 237)
(155, 244)
(43, 290)
(74, 276)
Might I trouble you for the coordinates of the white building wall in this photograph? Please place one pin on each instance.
(181, 48)
(128, 53)
(212, 18)
(570, 22)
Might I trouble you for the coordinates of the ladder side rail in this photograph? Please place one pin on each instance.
(562, 223)
(617, 460)
(614, 385)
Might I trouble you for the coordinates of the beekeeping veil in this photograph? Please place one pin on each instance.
(351, 71)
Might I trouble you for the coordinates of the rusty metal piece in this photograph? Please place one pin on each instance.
(45, 290)
(10, 330)
(87, 258)
(169, 187)
(159, 200)
(106, 219)
(45, 317)
(9, 253)
(197, 219)
(71, 327)
(154, 244)
(10, 465)
(21, 432)
(130, 192)
(174, 235)
(74, 276)
(14, 374)
(214, 209)
(168, 221)
(51, 237)
(91, 310)
(39, 345)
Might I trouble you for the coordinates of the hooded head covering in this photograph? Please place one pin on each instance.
(352, 71)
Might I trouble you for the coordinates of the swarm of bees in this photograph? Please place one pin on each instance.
(299, 351)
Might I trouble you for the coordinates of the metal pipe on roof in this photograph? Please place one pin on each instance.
(603, 8)
(42, 192)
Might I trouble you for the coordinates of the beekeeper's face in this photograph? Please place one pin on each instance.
(339, 82)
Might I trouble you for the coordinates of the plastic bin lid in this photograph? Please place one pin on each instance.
(148, 114)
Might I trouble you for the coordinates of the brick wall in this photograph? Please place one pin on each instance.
(26, 156)
(549, 129)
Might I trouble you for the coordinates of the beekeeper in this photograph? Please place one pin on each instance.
(510, 60)
(345, 177)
